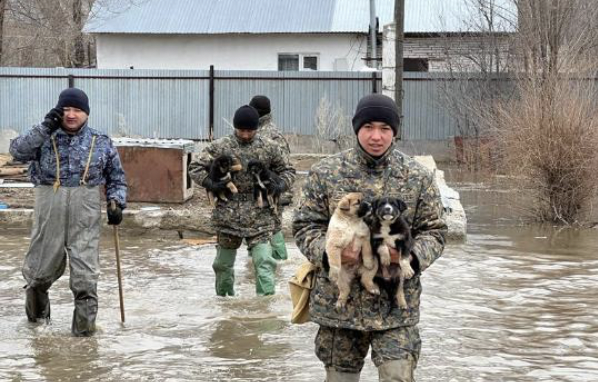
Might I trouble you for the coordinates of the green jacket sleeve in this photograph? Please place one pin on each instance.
(282, 166)
(200, 167)
(429, 227)
(311, 219)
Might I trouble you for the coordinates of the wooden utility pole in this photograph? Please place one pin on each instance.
(399, 37)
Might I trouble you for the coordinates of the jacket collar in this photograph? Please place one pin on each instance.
(374, 163)
(83, 131)
(241, 142)
(265, 119)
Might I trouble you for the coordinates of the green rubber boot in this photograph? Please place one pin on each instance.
(224, 268)
(279, 248)
(265, 266)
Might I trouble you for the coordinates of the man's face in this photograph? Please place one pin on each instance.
(245, 135)
(375, 138)
(73, 119)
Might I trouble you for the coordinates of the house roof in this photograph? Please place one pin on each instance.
(275, 16)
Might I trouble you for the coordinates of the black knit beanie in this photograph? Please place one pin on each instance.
(261, 104)
(376, 108)
(73, 97)
(246, 118)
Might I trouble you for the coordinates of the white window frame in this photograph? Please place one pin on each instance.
(302, 57)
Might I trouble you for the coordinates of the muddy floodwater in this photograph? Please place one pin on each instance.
(513, 303)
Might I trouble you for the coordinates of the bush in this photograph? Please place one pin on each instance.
(549, 136)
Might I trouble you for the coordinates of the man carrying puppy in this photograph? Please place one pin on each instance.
(267, 129)
(376, 168)
(240, 217)
(70, 162)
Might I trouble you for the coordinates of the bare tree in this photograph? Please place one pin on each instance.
(541, 118)
(50, 32)
(477, 61)
(3, 7)
(333, 125)
(548, 134)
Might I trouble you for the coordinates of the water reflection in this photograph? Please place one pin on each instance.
(57, 356)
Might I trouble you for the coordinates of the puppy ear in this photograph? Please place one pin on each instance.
(364, 209)
(375, 203)
(402, 205)
(344, 204)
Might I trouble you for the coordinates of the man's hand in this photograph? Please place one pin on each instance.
(115, 214)
(395, 257)
(216, 187)
(349, 256)
(53, 120)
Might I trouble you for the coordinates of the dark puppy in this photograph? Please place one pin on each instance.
(263, 178)
(390, 230)
(220, 171)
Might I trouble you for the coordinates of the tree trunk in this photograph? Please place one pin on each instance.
(78, 58)
(3, 8)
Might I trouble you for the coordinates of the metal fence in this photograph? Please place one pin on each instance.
(199, 104)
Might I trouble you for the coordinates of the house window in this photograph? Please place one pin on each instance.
(416, 65)
(297, 61)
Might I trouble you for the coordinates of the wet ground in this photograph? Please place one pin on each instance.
(514, 303)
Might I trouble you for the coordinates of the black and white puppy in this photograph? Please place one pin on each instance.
(262, 180)
(389, 229)
(221, 170)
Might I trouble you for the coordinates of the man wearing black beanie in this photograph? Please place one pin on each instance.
(377, 169)
(71, 164)
(267, 129)
(238, 216)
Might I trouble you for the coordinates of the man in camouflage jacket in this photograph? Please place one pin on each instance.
(375, 168)
(69, 164)
(240, 217)
(267, 129)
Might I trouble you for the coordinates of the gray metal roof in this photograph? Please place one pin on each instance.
(273, 16)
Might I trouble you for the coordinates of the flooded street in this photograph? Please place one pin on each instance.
(513, 303)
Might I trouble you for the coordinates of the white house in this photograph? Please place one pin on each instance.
(266, 34)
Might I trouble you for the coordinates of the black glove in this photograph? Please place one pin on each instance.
(53, 120)
(216, 187)
(115, 214)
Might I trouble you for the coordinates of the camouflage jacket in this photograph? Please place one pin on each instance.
(268, 129)
(241, 216)
(394, 174)
(73, 151)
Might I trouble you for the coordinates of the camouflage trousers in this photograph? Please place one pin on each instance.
(228, 241)
(345, 350)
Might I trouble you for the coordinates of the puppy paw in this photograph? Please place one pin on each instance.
(401, 301)
(385, 260)
(341, 304)
(374, 290)
(406, 271)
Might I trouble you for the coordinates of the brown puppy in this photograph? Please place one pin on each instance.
(221, 170)
(347, 228)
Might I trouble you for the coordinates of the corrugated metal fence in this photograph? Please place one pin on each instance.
(199, 103)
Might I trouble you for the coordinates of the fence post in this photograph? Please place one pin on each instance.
(211, 98)
(374, 82)
(71, 81)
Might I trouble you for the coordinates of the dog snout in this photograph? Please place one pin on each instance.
(387, 209)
